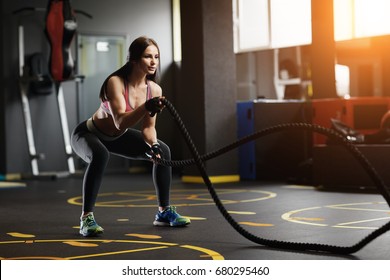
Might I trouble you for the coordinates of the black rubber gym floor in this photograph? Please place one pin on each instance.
(40, 221)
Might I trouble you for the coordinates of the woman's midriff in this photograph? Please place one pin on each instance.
(105, 123)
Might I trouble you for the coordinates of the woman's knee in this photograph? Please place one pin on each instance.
(165, 149)
(100, 155)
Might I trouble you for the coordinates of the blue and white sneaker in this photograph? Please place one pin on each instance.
(89, 227)
(169, 217)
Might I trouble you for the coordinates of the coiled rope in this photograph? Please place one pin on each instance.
(297, 246)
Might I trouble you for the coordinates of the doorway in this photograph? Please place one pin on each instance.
(98, 56)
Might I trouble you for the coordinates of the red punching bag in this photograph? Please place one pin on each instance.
(61, 27)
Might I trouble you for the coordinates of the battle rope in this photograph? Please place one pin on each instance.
(198, 160)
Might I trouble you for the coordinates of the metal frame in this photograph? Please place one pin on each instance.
(24, 84)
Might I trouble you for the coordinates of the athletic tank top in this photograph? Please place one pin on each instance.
(104, 104)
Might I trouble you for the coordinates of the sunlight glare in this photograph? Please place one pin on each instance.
(372, 17)
(343, 19)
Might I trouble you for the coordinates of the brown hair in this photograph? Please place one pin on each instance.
(136, 49)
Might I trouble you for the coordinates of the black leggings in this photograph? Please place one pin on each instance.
(96, 153)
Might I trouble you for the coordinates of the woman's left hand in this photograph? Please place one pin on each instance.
(155, 151)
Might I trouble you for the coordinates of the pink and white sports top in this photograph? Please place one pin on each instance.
(129, 108)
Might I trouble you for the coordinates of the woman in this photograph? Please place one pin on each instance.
(128, 96)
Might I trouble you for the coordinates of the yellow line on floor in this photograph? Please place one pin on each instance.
(213, 179)
(11, 184)
(210, 253)
(117, 253)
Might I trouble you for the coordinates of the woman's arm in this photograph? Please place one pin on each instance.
(117, 105)
(149, 124)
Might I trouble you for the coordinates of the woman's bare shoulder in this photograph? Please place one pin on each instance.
(114, 80)
(156, 89)
(114, 86)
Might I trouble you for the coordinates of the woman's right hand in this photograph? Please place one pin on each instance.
(154, 105)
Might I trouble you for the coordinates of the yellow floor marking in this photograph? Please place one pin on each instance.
(213, 179)
(11, 184)
(242, 213)
(210, 253)
(105, 241)
(120, 203)
(195, 218)
(306, 219)
(344, 225)
(299, 187)
(123, 220)
(13, 242)
(146, 236)
(36, 258)
(114, 203)
(21, 235)
(153, 245)
(81, 244)
(288, 217)
(117, 253)
(255, 224)
(269, 195)
(344, 207)
(197, 199)
(355, 227)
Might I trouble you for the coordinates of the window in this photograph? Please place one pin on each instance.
(372, 18)
(361, 18)
(343, 20)
(290, 23)
(265, 24)
(176, 30)
(252, 24)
